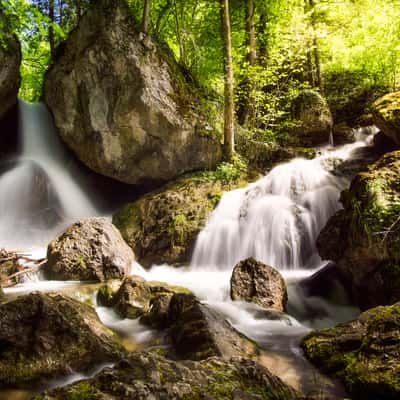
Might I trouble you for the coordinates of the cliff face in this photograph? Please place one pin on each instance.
(122, 103)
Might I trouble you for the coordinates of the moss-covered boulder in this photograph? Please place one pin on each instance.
(123, 104)
(47, 335)
(198, 332)
(89, 250)
(151, 376)
(253, 281)
(162, 227)
(136, 297)
(314, 118)
(363, 238)
(386, 114)
(10, 61)
(363, 353)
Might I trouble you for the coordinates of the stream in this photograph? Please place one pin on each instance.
(275, 220)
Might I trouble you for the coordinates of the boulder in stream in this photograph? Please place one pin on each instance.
(10, 61)
(89, 250)
(259, 283)
(148, 375)
(198, 332)
(123, 104)
(47, 335)
(364, 353)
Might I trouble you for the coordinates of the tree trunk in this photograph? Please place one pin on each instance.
(263, 39)
(313, 56)
(146, 15)
(250, 33)
(229, 129)
(51, 29)
(251, 57)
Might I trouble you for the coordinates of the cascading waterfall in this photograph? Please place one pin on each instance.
(276, 219)
(39, 193)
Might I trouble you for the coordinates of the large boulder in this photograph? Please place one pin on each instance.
(151, 376)
(363, 238)
(10, 61)
(364, 353)
(259, 283)
(43, 336)
(198, 332)
(386, 114)
(312, 112)
(123, 104)
(89, 250)
(162, 227)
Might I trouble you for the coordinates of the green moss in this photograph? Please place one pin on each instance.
(83, 391)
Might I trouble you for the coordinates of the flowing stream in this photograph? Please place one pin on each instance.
(276, 220)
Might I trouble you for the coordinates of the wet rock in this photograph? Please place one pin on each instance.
(363, 353)
(47, 335)
(342, 134)
(162, 227)
(147, 375)
(384, 144)
(314, 116)
(10, 61)
(363, 238)
(329, 282)
(198, 332)
(89, 250)
(386, 114)
(256, 282)
(124, 105)
(133, 298)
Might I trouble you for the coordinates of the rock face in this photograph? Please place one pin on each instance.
(313, 113)
(148, 375)
(162, 226)
(10, 61)
(386, 114)
(364, 353)
(123, 105)
(256, 282)
(363, 238)
(90, 250)
(198, 332)
(42, 336)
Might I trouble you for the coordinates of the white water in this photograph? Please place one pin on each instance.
(39, 193)
(276, 219)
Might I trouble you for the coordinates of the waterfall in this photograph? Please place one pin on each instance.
(39, 189)
(276, 219)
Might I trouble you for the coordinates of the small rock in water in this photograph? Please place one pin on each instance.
(256, 282)
(89, 250)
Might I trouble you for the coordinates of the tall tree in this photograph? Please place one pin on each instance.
(229, 127)
(146, 15)
(247, 110)
(51, 29)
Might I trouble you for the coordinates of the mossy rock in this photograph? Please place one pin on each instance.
(44, 336)
(148, 375)
(363, 238)
(386, 114)
(363, 353)
(162, 226)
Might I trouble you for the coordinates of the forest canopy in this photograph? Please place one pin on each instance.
(347, 49)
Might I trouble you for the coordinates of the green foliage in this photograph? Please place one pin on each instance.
(83, 391)
(230, 171)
